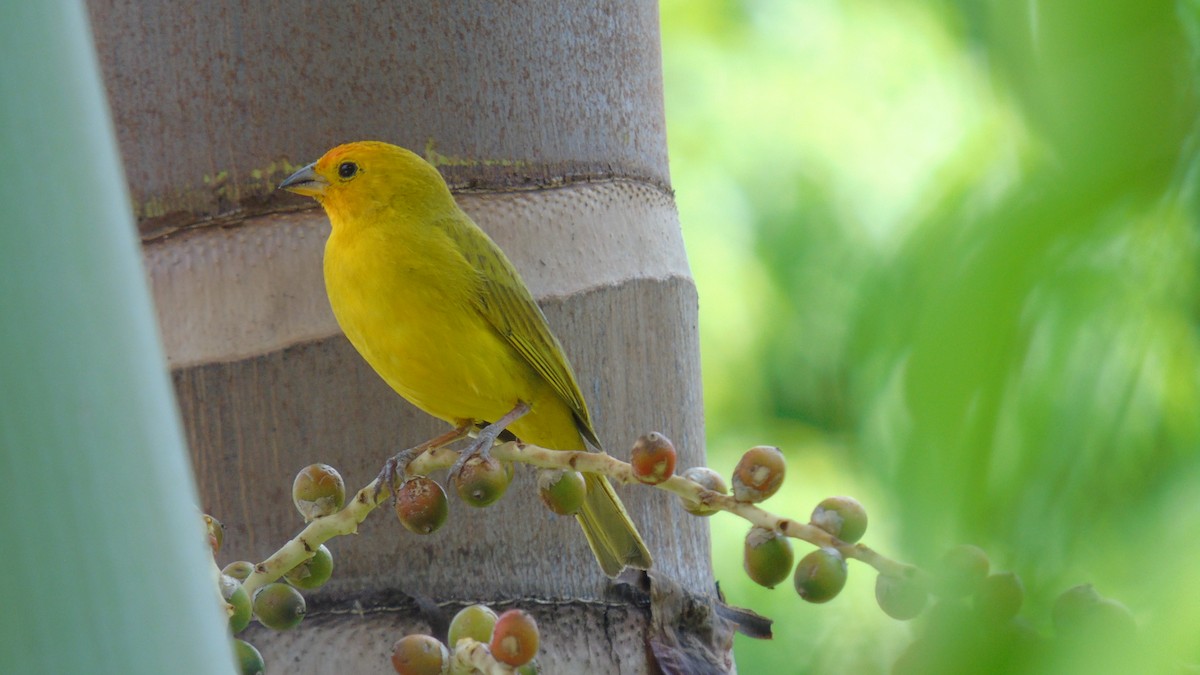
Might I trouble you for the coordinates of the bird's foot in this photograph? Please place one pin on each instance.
(482, 446)
(396, 467)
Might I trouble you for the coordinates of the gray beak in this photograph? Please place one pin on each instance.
(306, 182)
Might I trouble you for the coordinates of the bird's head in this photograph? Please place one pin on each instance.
(354, 179)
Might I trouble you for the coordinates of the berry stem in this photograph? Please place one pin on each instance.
(346, 521)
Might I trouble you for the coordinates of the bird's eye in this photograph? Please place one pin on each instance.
(347, 169)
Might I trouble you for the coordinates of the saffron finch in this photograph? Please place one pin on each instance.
(437, 309)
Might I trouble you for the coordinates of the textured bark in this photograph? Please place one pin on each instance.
(549, 119)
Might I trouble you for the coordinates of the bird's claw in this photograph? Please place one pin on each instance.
(395, 468)
(482, 447)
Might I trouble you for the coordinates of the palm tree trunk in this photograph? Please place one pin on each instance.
(548, 118)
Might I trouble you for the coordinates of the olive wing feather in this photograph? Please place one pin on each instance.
(507, 304)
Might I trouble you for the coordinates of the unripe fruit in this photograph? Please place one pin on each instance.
(482, 481)
(999, 596)
(758, 474)
(1081, 611)
(901, 598)
(821, 575)
(314, 572)
(250, 661)
(530, 668)
(561, 491)
(843, 517)
(709, 480)
(318, 491)
(515, 638)
(279, 606)
(420, 655)
(240, 570)
(475, 622)
(963, 568)
(239, 601)
(421, 505)
(767, 557)
(216, 533)
(950, 618)
(653, 458)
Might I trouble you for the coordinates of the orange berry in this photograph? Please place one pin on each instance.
(515, 638)
(421, 505)
(758, 474)
(653, 458)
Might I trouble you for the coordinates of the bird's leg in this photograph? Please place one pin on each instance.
(397, 465)
(487, 437)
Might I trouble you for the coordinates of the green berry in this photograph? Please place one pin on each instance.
(279, 606)
(239, 602)
(821, 575)
(1081, 611)
(482, 481)
(963, 568)
(900, 597)
(240, 570)
(318, 491)
(562, 492)
(314, 572)
(999, 596)
(767, 557)
(250, 661)
(843, 517)
(475, 622)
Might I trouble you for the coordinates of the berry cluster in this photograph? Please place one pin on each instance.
(317, 491)
(480, 641)
(975, 620)
(969, 593)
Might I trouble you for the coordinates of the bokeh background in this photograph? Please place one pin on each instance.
(946, 253)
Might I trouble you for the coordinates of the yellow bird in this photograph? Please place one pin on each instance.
(437, 309)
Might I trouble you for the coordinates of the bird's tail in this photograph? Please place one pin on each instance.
(613, 537)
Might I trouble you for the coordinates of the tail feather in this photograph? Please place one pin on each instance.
(612, 535)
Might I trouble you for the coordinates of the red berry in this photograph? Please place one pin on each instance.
(421, 505)
(758, 474)
(653, 458)
(515, 638)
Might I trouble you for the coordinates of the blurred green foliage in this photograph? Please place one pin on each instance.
(947, 260)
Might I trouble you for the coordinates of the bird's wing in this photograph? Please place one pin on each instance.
(507, 304)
